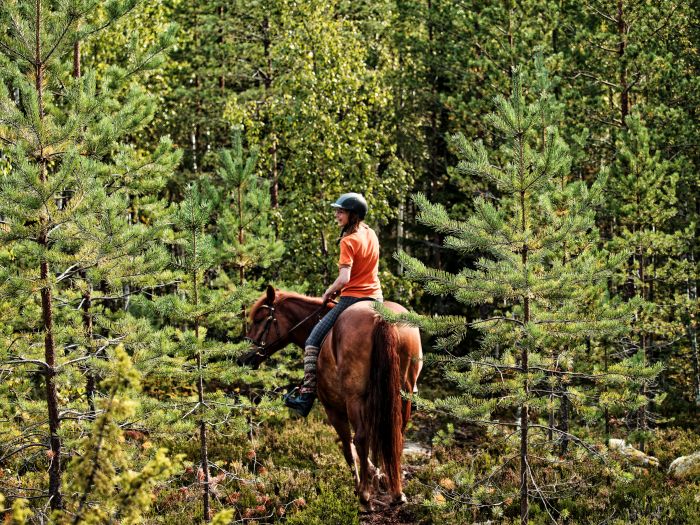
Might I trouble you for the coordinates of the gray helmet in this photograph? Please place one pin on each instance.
(352, 202)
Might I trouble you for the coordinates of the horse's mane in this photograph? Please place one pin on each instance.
(280, 296)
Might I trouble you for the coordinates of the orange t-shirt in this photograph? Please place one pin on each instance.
(360, 251)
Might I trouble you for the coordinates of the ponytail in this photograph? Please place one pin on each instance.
(352, 226)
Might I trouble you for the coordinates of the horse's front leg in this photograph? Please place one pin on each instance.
(380, 481)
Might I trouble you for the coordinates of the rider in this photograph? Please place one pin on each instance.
(358, 280)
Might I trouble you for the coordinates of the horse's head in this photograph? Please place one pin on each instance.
(263, 330)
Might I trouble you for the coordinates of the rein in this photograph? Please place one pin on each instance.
(261, 343)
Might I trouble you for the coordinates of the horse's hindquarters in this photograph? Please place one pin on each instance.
(363, 365)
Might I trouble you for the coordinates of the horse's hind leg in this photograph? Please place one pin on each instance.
(362, 445)
(340, 422)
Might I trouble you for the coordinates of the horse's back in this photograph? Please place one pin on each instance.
(355, 325)
(346, 353)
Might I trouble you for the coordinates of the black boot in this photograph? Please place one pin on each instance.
(300, 403)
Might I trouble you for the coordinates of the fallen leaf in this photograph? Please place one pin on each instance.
(447, 484)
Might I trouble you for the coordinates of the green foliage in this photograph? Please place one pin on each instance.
(313, 114)
(536, 264)
(327, 97)
(207, 296)
(20, 511)
(245, 237)
(101, 468)
(329, 507)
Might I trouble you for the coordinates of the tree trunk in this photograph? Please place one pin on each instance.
(643, 412)
(691, 330)
(400, 232)
(76, 59)
(90, 384)
(200, 397)
(324, 253)
(222, 76)
(564, 424)
(524, 410)
(194, 133)
(621, 48)
(241, 267)
(606, 414)
(524, 422)
(693, 338)
(434, 139)
(55, 496)
(51, 391)
(203, 438)
(267, 83)
(552, 394)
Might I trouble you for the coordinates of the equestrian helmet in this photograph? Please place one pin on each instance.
(352, 202)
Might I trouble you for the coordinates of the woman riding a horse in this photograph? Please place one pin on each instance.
(358, 280)
(364, 362)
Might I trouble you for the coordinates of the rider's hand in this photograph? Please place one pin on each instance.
(327, 296)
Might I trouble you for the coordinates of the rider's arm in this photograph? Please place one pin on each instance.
(338, 284)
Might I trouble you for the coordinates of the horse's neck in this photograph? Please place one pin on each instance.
(300, 309)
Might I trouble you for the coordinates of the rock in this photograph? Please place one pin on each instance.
(632, 454)
(417, 450)
(685, 467)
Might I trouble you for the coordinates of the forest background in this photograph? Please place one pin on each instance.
(162, 161)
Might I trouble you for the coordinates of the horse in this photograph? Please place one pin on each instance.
(363, 364)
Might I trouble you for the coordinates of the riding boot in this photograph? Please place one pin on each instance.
(303, 402)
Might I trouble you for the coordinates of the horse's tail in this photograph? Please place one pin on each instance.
(384, 411)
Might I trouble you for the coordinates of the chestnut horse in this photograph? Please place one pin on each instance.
(363, 364)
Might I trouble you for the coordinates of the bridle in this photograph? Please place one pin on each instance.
(271, 319)
(261, 343)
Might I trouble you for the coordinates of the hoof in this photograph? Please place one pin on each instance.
(399, 500)
(366, 508)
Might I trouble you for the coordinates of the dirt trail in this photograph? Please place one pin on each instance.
(388, 516)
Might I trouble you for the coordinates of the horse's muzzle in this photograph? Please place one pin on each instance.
(251, 359)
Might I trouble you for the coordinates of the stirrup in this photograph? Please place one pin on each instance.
(301, 403)
(292, 394)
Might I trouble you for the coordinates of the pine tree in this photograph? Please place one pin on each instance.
(186, 354)
(622, 63)
(530, 272)
(63, 199)
(100, 471)
(642, 199)
(244, 234)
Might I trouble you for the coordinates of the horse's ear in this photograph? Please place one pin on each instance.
(270, 294)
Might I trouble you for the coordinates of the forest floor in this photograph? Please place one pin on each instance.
(284, 469)
(385, 513)
(388, 516)
(418, 450)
